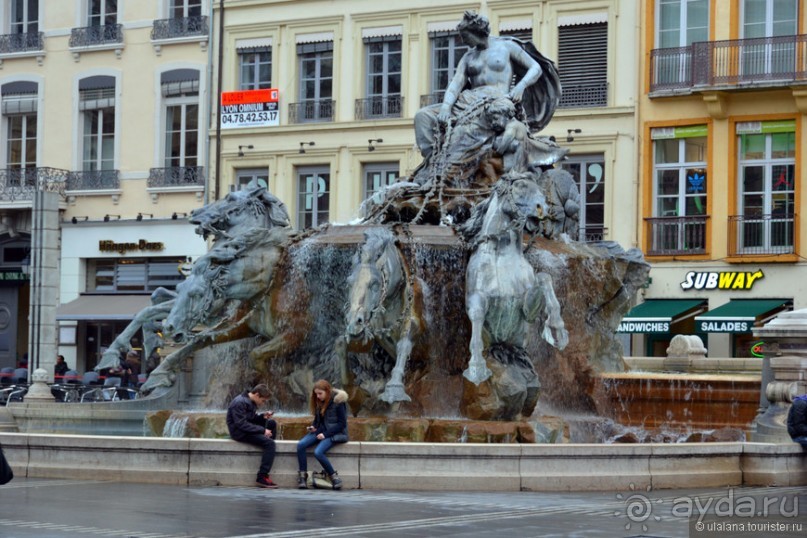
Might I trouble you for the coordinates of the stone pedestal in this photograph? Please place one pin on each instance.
(39, 390)
(784, 374)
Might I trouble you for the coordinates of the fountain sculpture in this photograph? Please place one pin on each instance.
(462, 285)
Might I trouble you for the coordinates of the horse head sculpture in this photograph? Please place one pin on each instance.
(239, 211)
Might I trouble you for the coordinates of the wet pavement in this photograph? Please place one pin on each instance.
(44, 508)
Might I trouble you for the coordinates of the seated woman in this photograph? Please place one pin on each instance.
(328, 428)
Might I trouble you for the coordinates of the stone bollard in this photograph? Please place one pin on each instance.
(684, 348)
(39, 390)
(784, 374)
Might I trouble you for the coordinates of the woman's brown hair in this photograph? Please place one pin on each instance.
(316, 405)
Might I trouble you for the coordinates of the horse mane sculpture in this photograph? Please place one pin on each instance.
(385, 306)
(503, 292)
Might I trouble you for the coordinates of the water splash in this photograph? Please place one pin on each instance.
(176, 426)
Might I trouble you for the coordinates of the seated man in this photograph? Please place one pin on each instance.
(248, 426)
(797, 420)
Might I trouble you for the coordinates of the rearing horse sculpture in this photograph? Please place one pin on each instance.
(503, 293)
(385, 306)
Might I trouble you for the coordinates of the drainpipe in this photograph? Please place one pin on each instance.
(218, 101)
(637, 131)
(209, 107)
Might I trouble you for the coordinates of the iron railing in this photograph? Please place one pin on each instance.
(592, 234)
(779, 59)
(30, 41)
(89, 180)
(676, 235)
(176, 176)
(179, 27)
(385, 106)
(431, 99)
(311, 111)
(91, 36)
(761, 234)
(21, 183)
(584, 95)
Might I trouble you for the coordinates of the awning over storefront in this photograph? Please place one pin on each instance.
(103, 307)
(656, 315)
(740, 315)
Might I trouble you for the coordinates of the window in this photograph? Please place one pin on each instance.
(180, 89)
(679, 190)
(248, 179)
(769, 19)
(589, 173)
(447, 51)
(180, 9)
(102, 12)
(679, 24)
(383, 78)
(316, 82)
(24, 17)
(313, 188)
(583, 64)
(127, 275)
(524, 34)
(97, 107)
(377, 176)
(255, 68)
(767, 161)
(19, 107)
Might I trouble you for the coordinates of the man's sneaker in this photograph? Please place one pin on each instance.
(336, 481)
(265, 482)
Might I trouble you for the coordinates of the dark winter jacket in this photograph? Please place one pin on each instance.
(334, 421)
(243, 418)
(797, 417)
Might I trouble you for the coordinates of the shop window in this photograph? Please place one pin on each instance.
(133, 275)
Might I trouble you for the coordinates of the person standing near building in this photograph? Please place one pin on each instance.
(246, 425)
(60, 368)
(797, 420)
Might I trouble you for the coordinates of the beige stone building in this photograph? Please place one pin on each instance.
(350, 76)
(104, 104)
(722, 115)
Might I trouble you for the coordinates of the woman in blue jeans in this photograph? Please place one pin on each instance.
(328, 428)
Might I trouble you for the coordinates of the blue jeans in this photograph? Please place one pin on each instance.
(323, 446)
(802, 440)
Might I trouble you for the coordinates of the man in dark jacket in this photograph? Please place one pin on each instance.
(797, 420)
(248, 426)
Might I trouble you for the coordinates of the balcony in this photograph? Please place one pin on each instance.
(179, 27)
(93, 180)
(16, 43)
(176, 176)
(19, 184)
(431, 99)
(738, 63)
(671, 236)
(380, 107)
(95, 36)
(761, 235)
(584, 95)
(593, 234)
(311, 111)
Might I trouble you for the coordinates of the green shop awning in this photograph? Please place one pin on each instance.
(740, 315)
(656, 315)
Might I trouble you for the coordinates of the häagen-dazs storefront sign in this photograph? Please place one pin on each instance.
(106, 245)
(721, 280)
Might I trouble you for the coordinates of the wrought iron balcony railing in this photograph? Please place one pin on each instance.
(761, 234)
(386, 106)
(176, 176)
(592, 234)
(90, 180)
(431, 98)
(676, 235)
(31, 41)
(311, 111)
(584, 95)
(93, 36)
(736, 62)
(21, 183)
(179, 27)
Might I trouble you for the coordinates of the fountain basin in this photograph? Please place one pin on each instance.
(414, 466)
(682, 401)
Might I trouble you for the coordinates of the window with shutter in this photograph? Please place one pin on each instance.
(583, 65)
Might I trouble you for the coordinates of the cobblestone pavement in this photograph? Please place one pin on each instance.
(44, 508)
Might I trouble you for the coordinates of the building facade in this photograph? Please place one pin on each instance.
(722, 114)
(104, 102)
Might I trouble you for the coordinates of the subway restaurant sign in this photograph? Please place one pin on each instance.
(723, 280)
